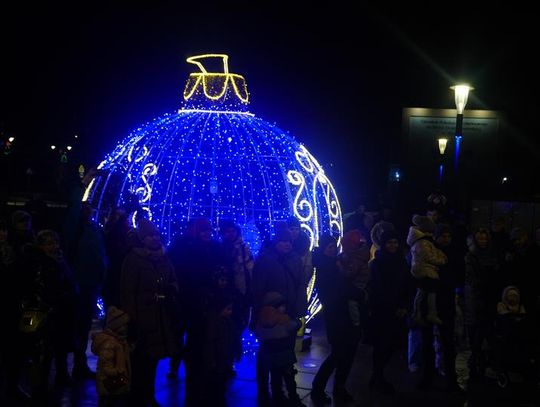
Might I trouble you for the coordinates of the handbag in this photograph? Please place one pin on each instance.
(114, 383)
(32, 320)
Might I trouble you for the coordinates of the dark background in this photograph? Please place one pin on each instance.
(335, 77)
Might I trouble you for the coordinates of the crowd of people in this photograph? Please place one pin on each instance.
(191, 302)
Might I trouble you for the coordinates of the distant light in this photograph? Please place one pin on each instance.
(69, 148)
(11, 139)
(53, 147)
(397, 175)
(76, 136)
(443, 141)
(229, 139)
(504, 180)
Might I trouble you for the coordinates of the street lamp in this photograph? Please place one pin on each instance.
(443, 141)
(461, 93)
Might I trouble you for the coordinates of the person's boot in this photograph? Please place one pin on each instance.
(83, 372)
(16, 394)
(340, 393)
(263, 395)
(319, 396)
(295, 401)
(379, 384)
(433, 319)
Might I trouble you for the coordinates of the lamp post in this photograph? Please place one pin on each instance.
(443, 141)
(461, 93)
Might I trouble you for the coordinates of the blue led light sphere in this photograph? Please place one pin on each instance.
(214, 158)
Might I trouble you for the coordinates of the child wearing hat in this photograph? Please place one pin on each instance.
(113, 373)
(274, 329)
(425, 262)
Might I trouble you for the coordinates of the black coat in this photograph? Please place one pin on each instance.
(196, 264)
(48, 283)
(149, 294)
(283, 274)
(388, 292)
(330, 284)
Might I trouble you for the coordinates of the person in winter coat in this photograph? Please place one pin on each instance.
(425, 262)
(218, 348)
(515, 339)
(523, 267)
(117, 246)
(353, 261)
(330, 283)
(240, 263)
(483, 285)
(450, 284)
(376, 232)
(149, 294)
(274, 328)
(86, 255)
(196, 257)
(388, 297)
(113, 373)
(48, 285)
(279, 269)
(301, 245)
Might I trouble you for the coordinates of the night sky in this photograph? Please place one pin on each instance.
(335, 79)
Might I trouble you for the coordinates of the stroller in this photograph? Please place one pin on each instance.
(512, 346)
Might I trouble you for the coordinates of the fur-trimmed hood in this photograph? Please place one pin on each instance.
(416, 234)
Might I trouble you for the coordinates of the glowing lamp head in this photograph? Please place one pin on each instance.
(443, 141)
(53, 147)
(461, 93)
(11, 139)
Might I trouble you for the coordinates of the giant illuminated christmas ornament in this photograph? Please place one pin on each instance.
(214, 158)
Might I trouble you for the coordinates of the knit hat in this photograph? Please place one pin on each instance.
(424, 224)
(325, 240)
(378, 229)
(388, 235)
(442, 228)
(20, 216)
(116, 319)
(197, 225)
(437, 198)
(273, 299)
(353, 239)
(146, 228)
(292, 221)
(517, 233)
(225, 224)
(282, 233)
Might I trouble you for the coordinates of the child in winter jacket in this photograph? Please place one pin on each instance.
(425, 262)
(113, 373)
(276, 333)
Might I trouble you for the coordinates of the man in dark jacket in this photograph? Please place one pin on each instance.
(279, 269)
(197, 258)
(450, 282)
(148, 291)
(87, 258)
